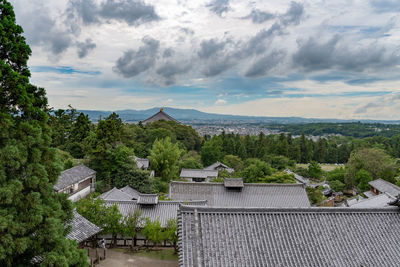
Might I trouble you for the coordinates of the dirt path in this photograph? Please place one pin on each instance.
(116, 258)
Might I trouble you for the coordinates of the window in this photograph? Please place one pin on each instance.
(198, 179)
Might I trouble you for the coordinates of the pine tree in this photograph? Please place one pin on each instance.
(33, 217)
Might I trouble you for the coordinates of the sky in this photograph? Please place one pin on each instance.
(311, 58)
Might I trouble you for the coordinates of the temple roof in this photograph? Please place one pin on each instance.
(161, 115)
(72, 176)
(338, 237)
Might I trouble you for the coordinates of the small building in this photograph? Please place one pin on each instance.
(218, 166)
(142, 163)
(161, 115)
(381, 186)
(341, 237)
(198, 175)
(78, 182)
(82, 229)
(235, 193)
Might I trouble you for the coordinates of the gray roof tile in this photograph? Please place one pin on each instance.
(81, 228)
(233, 182)
(164, 210)
(134, 194)
(72, 176)
(147, 199)
(251, 195)
(385, 187)
(115, 194)
(218, 165)
(377, 201)
(198, 173)
(161, 115)
(339, 237)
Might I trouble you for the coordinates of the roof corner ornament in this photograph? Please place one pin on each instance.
(395, 202)
(161, 109)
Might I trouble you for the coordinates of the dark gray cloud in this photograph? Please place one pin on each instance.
(134, 62)
(219, 6)
(340, 54)
(260, 42)
(170, 69)
(210, 48)
(85, 47)
(264, 64)
(258, 16)
(41, 30)
(293, 15)
(169, 52)
(218, 66)
(133, 12)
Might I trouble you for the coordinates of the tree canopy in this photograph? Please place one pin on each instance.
(33, 218)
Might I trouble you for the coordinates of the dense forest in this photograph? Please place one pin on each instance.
(110, 145)
(353, 129)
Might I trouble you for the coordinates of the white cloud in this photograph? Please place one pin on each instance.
(220, 102)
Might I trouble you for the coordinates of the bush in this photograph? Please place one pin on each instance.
(337, 186)
(314, 195)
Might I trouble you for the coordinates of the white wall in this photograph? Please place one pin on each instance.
(81, 194)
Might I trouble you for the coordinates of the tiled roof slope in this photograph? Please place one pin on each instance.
(218, 164)
(134, 194)
(72, 176)
(385, 187)
(115, 194)
(164, 210)
(379, 201)
(251, 195)
(339, 237)
(198, 173)
(147, 199)
(142, 163)
(233, 182)
(161, 115)
(81, 228)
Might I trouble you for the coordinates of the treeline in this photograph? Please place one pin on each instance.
(110, 145)
(353, 129)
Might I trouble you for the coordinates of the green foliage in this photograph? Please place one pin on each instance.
(234, 162)
(211, 151)
(170, 233)
(153, 231)
(337, 186)
(336, 174)
(190, 160)
(362, 178)
(159, 186)
(279, 162)
(129, 174)
(279, 177)
(256, 169)
(33, 217)
(314, 195)
(164, 157)
(373, 160)
(314, 170)
(132, 224)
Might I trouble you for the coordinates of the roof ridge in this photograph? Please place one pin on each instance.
(215, 209)
(248, 184)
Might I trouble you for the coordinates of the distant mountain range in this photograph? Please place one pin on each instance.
(192, 116)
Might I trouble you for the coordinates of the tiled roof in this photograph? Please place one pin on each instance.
(161, 115)
(134, 194)
(198, 173)
(115, 194)
(233, 182)
(377, 201)
(251, 195)
(217, 165)
(142, 163)
(164, 210)
(385, 187)
(72, 176)
(147, 199)
(81, 228)
(339, 237)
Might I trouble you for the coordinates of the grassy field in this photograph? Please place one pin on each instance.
(324, 166)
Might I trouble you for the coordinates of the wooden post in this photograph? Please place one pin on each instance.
(104, 254)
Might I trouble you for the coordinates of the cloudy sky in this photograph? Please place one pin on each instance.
(310, 58)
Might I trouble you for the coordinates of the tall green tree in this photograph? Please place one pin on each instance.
(33, 218)
(164, 157)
